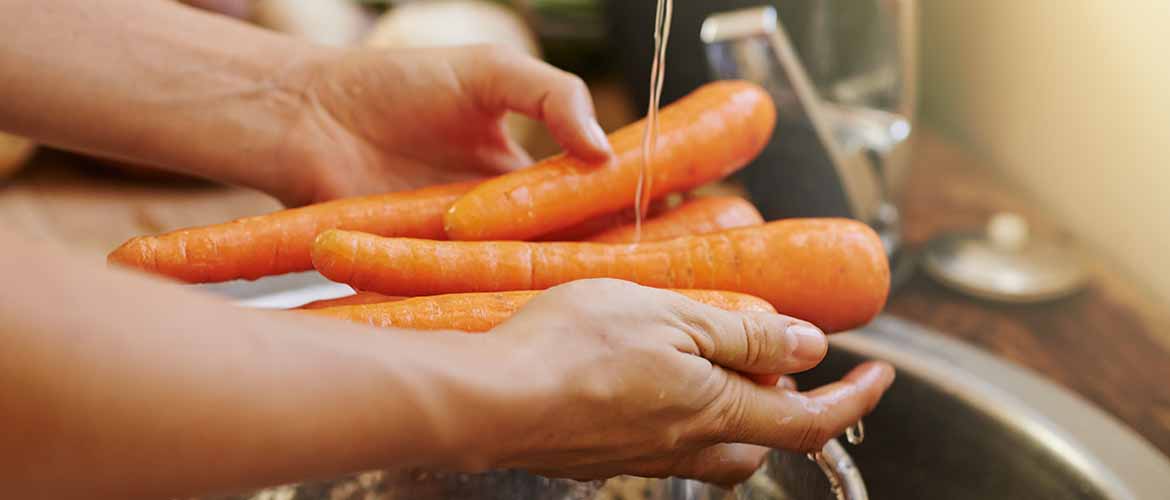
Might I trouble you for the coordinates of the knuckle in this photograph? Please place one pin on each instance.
(575, 86)
(755, 340)
(812, 436)
(728, 418)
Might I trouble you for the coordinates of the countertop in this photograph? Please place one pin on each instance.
(1110, 343)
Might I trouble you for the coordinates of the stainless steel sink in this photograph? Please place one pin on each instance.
(960, 424)
(957, 424)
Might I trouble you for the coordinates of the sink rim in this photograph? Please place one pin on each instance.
(1108, 454)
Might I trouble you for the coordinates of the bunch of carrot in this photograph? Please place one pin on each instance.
(471, 254)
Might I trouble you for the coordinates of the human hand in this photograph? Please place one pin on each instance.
(615, 378)
(387, 120)
(240, 9)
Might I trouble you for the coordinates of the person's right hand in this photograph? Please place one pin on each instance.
(614, 378)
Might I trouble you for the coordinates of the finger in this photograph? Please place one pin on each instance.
(800, 421)
(754, 343)
(504, 156)
(783, 382)
(511, 80)
(765, 380)
(787, 383)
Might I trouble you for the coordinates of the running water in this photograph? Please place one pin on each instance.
(827, 468)
(662, 21)
(855, 434)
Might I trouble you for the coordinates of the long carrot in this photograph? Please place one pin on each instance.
(705, 136)
(697, 216)
(279, 242)
(357, 299)
(480, 312)
(831, 272)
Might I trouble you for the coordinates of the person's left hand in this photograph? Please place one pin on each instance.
(388, 120)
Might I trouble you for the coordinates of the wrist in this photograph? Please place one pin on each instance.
(479, 396)
(291, 154)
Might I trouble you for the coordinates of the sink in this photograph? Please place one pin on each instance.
(957, 424)
(960, 424)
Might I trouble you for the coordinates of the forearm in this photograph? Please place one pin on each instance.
(154, 82)
(126, 388)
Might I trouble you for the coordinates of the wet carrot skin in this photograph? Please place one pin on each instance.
(357, 299)
(704, 137)
(280, 242)
(697, 216)
(594, 226)
(831, 272)
(480, 312)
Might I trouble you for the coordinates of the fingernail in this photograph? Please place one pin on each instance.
(597, 137)
(809, 344)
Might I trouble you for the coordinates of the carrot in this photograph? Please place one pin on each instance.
(831, 272)
(480, 312)
(698, 216)
(705, 136)
(604, 222)
(279, 242)
(357, 299)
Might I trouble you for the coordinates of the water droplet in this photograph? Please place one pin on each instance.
(830, 473)
(855, 434)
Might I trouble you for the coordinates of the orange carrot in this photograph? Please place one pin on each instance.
(480, 312)
(279, 242)
(357, 299)
(605, 222)
(831, 272)
(698, 216)
(703, 137)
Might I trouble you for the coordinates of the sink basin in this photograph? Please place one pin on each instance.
(960, 424)
(957, 424)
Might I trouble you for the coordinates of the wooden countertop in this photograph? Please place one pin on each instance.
(1109, 343)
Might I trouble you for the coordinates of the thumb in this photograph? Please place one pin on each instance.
(754, 343)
